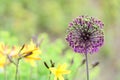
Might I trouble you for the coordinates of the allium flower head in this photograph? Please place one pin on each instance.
(85, 34)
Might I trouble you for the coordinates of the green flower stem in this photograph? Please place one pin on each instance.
(5, 73)
(31, 71)
(49, 76)
(87, 70)
(17, 71)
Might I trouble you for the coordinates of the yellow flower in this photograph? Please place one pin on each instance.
(2, 60)
(59, 71)
(31, 53)
(4, 50)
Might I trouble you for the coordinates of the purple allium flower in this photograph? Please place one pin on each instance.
(85, 34)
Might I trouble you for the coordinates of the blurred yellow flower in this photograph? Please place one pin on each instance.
(2, 60)
(59, 71)
(31, 53)
(4, 50)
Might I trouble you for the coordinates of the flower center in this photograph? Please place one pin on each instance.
(85, 36)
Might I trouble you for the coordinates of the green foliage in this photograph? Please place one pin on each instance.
(7, 38)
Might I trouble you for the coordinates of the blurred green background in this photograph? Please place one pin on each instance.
(21, 20)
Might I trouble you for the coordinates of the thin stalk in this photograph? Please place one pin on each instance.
(31, 71)
(87, 70)
(49, 76)
(37, 70)
(17, 77)
(5, 73)
(17, 72)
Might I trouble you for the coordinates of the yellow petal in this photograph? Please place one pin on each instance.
(66, 72)
(33, 58)
(61, 77)
(55, 78)
(2, 65)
